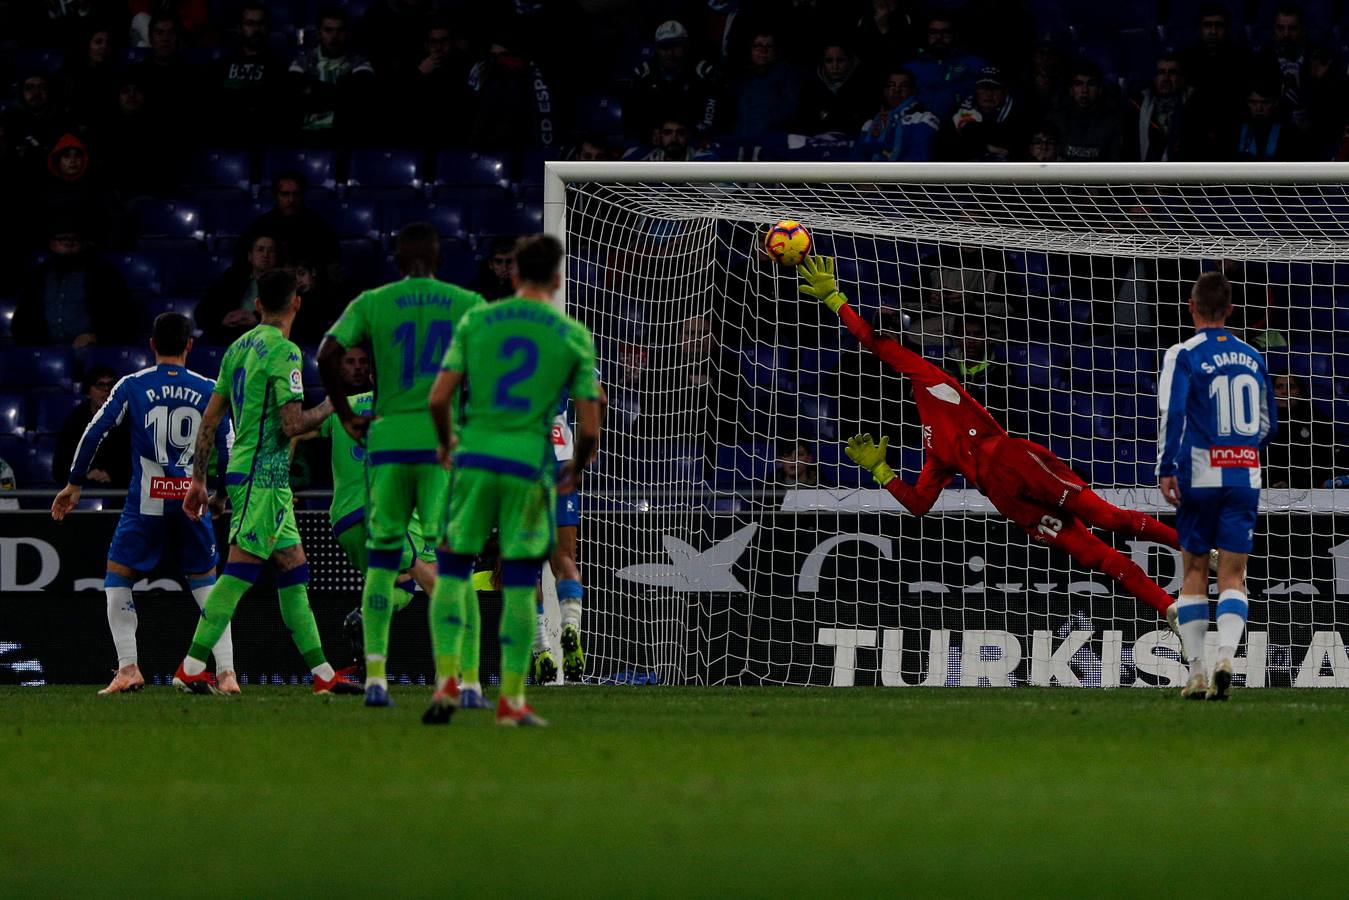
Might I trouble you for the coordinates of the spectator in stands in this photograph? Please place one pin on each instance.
(988, 125)
(435, 78)
(672, 144)
(193, 19)
(8, 483)
(592, 147)
(90, 76)
(623, 383)
(795, 466)
(1044, 144)
(36, 122)
(73, 298)
(904, 130)
(495, 273)
(330, 83)
(1324, 89)
(836, 98)
(672, 82)
(961, 284)
(972, 361)
(944, 71)
(1285, 61)
(1043, 82)
(249, 82)
(299, 232)
(172, 86)
(1154, 119)
(768, 89)
(72, 193)
(138, 148)
(111, 466)
(228, 310)
(1264, 134)
(320, 306)
(1089, 126)
(512, 102)
(1301, 454)
(885, 33)
(1216, 67)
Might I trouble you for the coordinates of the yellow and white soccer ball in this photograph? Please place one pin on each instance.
(787, 242)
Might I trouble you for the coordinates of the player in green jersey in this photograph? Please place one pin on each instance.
(260, 383)
(409, 325)
(346, 513)
(519, 354)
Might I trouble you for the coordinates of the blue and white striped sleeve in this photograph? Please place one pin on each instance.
(1269, 411)
(111, 415)
(1172, 390)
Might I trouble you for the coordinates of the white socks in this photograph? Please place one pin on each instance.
(224, 648)
(571, 613)
(540, 632)
(1232, 610)
(193, 666)
(122, 622)
(1192, 618)
(324, 671)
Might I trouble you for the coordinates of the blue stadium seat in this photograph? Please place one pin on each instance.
(311, 371)
(51, 409)
(139, 271)
(34, 468)
(14, 450)
(227, 212)
(445, 216)
(463, 167)
(38, 59)
(361, 260)
(384, 168)
(12, 417)
(506, 218)
(219, 169)
(358, 217)
(531, 166)
(599, 113)
(319, 167)
(122, 360)
(37, 367)
(759, 365)
(205, 360)
(7, 307)
(169, 219)
(185, 274)
(752, 463)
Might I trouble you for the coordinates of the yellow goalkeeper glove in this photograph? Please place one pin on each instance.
(817, 273)
(871, 457)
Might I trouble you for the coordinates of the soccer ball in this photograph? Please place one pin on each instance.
(787, 242)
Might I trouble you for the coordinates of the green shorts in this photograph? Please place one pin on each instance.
(397, 490)
(263, 521)
(352, 539)
(524, 509)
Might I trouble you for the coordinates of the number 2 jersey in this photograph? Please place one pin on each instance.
(1216, 414)
(163, 406)
(409, 325)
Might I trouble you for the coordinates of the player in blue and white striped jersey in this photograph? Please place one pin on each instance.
(1214, 396)
(164, 405)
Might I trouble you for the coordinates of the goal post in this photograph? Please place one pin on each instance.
(726, 538)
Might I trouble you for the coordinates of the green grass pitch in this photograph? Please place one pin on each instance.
(677, 792)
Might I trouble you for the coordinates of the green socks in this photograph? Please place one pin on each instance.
(292, 590)
(219, 609)
(516, 633)
(471, 648)
(448, 611)
(377, 611)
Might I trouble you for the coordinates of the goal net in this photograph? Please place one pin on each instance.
(726, 538)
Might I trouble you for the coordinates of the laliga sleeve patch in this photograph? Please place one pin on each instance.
(296, 382)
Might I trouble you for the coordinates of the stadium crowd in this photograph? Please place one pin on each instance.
(165, 154)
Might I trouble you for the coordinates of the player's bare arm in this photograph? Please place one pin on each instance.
(330, 356)
(439, 402)
(65, 501)
(296, 421)
(588, 423)
(197, 499)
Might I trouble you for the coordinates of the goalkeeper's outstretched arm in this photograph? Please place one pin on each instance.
(817, 276)
(916, 498)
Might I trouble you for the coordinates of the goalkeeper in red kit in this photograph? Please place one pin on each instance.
(1025, 482)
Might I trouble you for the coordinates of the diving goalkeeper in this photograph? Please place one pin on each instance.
(1024, 481)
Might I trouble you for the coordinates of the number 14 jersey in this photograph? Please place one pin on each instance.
(409, 325)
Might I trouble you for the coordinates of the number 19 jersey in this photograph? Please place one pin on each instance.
(409, 324)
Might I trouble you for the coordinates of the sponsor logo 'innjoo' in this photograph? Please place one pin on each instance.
(1233, 457)
(169, 488)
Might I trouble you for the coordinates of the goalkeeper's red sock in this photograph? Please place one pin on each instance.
(1094, 553)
